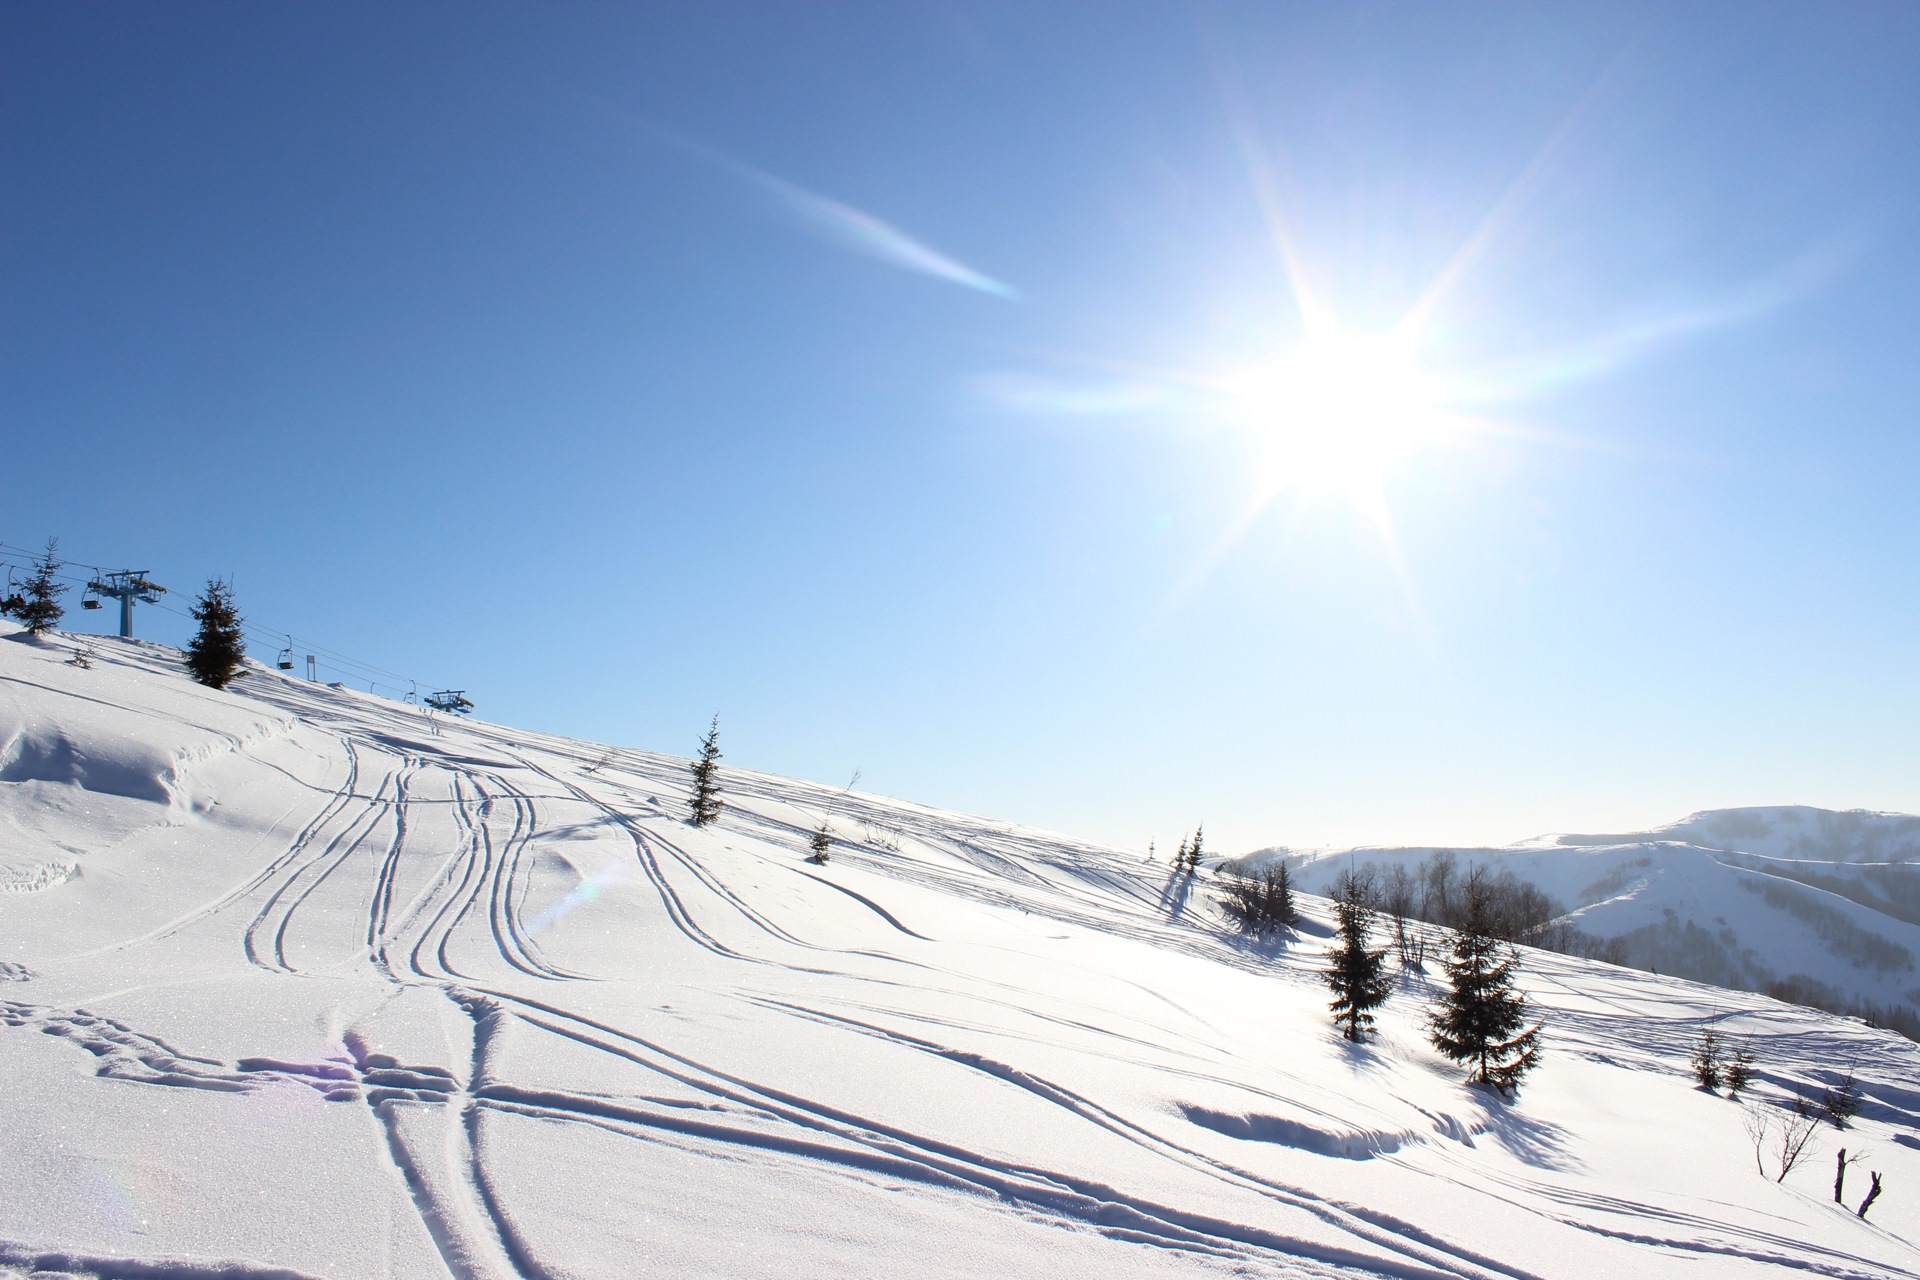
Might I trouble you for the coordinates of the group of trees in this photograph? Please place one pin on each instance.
(1434, 891)
(1477, 1019)
(1260, 901)
(1187, 857)
(215, 656)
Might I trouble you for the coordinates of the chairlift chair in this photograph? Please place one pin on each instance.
(452, 701)
(285, 660)
(91, 600)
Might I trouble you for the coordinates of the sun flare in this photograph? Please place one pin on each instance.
(1338, 413)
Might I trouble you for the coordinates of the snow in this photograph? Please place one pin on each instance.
(299, 982)
(1731, 873)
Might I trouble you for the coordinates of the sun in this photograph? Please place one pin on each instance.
(1339, 413)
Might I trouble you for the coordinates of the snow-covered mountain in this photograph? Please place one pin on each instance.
(1829, 901)
(298, 982)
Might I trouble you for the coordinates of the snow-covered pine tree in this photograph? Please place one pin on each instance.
(820, 842)
(1480, 1020)
(1356, 975)
(1193, 850)
(218, 650)
(38, 604)
(704, 804)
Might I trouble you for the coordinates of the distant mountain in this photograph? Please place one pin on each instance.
(1814, 904)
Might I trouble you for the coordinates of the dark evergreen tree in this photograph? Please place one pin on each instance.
(1739, 1069)
(1193, 850)
(704, 804)
(218, 650)
(1706, 1064)
(1480, 1020)
(1356, 975)
(820, 842)
(38, 604)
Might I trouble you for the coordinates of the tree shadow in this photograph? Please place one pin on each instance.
(1175, 895)
(1538, 1142)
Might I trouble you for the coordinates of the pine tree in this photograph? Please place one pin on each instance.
(39, 605)
(1739, 1070)
(1356, 975)
(1180, 857)
(820, 842)
(1706, 1062)
(1481, 1020)
(704, 804)
(218, 651)
(1193, 851)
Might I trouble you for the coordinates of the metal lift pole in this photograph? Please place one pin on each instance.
(127, 586)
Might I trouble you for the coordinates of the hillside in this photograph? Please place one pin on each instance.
(300, 982)
(1827, 901)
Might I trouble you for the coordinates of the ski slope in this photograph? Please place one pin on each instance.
(299, 982)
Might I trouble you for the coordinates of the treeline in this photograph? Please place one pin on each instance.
(1435, 891)
(1798, 988)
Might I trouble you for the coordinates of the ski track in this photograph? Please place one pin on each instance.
(435, 1128)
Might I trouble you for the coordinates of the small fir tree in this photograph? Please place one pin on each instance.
(704, 805)
(1841, 1103)
(218, 650)
(1707, 1069)
(1356, 975)
(38, 604)
(819, 843)
(1193, 850)
(1480, 1020)
(1739, 1069)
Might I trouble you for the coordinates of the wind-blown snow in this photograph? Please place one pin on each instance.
(299, 982)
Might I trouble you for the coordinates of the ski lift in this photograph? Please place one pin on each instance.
(285, 660)
(90, 600)
(453, 701)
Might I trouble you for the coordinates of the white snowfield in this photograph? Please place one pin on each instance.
(298, 982)
(1722, 896)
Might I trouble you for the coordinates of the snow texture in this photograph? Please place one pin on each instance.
(296, 982)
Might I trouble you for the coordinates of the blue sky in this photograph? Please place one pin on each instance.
(968, 394)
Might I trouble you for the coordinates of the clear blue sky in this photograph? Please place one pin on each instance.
(969, 393)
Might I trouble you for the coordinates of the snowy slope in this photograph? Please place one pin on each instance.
(1739, 897)
(303, 983)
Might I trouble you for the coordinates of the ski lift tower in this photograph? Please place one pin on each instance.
(452, 701)
(127, 586)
